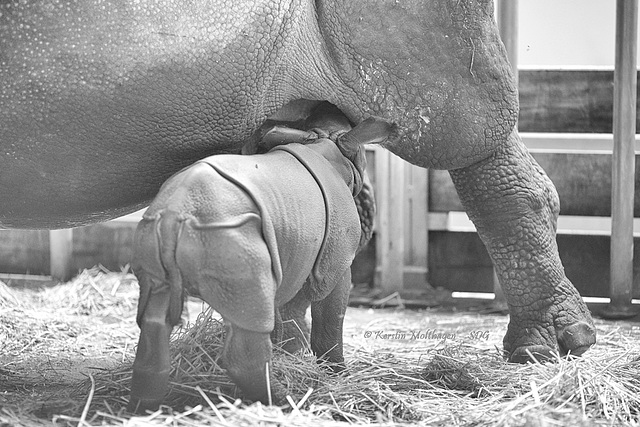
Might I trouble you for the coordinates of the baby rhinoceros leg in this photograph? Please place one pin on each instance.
(327, 318)
(295, 334)
(152, 363)
(159, 309)
(226, 261)
(247, 359)
(215, 251)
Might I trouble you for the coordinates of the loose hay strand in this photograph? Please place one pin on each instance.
(212, 406)
(268, 383)
(85, 411)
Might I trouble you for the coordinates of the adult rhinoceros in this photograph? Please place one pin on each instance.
(100, 102)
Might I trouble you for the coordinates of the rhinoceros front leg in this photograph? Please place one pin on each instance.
(327, 319)
(246, 356)
(515, 207)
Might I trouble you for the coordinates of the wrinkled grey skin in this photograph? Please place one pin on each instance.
(100, 102)
(253, 236)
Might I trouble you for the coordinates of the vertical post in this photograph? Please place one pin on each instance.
(60, 251)
(390, 239)
(508, 26)
(624, 130)
(416, 230)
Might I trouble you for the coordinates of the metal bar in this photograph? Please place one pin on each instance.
(624, 130)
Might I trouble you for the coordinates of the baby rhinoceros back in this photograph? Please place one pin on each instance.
(236, 231)
(176, 236)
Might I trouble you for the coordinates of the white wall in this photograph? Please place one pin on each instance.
(566, 33)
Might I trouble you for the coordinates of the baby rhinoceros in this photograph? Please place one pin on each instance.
(247, 234)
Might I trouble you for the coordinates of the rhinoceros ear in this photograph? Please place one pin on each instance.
(373, 130)
(280, 135)
(272, 134)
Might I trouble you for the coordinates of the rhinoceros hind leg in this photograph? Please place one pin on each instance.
(245, 357)
(327, 318)
(515, 207)
(152, 363)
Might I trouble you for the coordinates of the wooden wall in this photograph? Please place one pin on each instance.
(27, 251)
(583, 182)
(564, 101)
(577, 101)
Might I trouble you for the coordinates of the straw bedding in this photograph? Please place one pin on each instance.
(67, 351)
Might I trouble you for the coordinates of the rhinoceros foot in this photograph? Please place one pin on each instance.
(247, 360)
(155, 385)
(564, 328)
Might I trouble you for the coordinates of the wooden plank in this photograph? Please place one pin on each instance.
(392, 278)
(459, 222)
(109, 244)
(442, 193)
(575, 100)
(24, 251)
(390, 236)
(415, 219)
(415, 277)
(62, 253)
(624, 130)
(459, 262)
(61, 250)
(560, 142)
(583, 181)
(382, 210)
(508, 27)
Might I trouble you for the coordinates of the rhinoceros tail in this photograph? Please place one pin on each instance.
(169, 225)
(366, 204)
